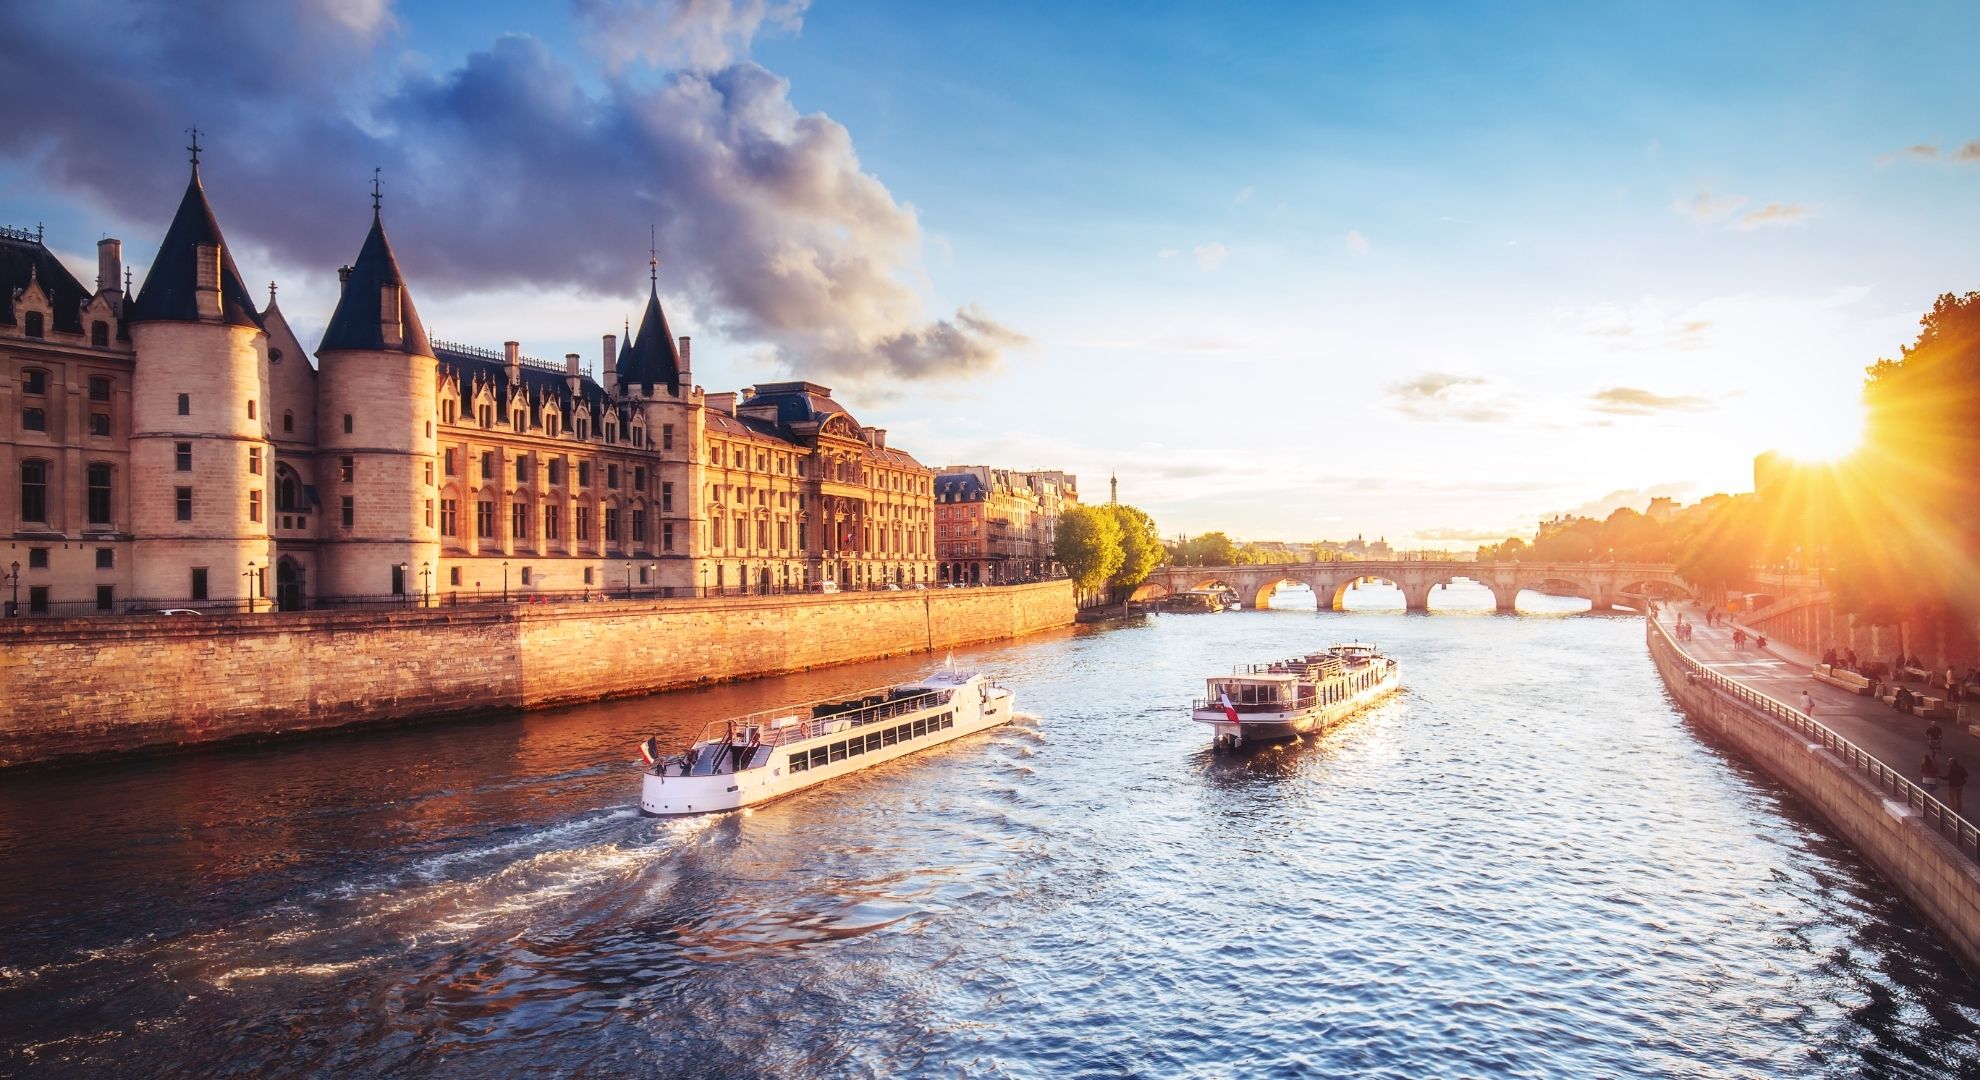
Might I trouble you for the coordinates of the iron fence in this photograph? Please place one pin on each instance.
(1943, 819)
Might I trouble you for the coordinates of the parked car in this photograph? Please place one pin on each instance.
(177, 611)
(825, 587)
(891, 587)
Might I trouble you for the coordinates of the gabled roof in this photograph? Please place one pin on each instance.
(654, 359)
(170, 286)
(541, 384)
(355, 323)
(24, 259)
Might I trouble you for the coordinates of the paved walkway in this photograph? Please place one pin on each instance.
(1783, 672)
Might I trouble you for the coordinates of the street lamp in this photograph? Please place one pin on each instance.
(250, 575)
(402, 579)
(14, 579)
(652, 568)
(629, 581)
(425, 584)
(505, 581)
(704, 579)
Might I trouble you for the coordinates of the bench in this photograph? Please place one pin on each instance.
(1917, 674)
(1845, 680)
(1933, 708)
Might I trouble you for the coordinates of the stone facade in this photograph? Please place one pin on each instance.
(179, 449)
(94, 686)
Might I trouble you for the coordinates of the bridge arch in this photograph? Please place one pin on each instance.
(1149, 590)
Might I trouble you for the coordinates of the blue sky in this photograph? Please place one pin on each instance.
(1424, 272)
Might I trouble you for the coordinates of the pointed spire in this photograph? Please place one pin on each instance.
(194, 132)
(362, 310)
(271, 292)
(172, 285)
(377, 194)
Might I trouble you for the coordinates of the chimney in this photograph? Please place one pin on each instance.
(571, 373)
(390, 326)
(206, 280)
(343, 279)
(512, 360)
(880, 438)
(687, 361)
(109, 265)
(607, 371)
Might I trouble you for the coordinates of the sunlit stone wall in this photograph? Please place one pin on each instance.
(85, 686)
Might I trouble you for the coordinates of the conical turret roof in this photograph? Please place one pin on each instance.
(652, 358)
(356, 322)
(170, 292)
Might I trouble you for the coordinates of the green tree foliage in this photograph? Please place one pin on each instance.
(1209, 549)
(1088, 545)
(1718, 550)
(1624, 536)
(1905, 526)
(1141, 546)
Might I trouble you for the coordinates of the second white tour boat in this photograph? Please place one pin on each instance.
(765, 755)
(1300, 696)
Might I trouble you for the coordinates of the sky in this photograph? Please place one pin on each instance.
(1425, 272)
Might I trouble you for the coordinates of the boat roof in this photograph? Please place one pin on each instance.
(1262, 677)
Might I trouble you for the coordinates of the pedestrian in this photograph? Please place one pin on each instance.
(1849, 657)
(1739, 639)
(1955, 785)
(1760, 642)
(1934, 735)
(1807, 704)
(1952, 680)
(1829, 657)
(1901, 701)
(1928, 774)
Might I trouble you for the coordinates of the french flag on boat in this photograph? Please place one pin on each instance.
(1230, 710)
(650, 751)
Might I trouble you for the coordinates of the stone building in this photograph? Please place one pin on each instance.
(177, 448)
(998, 526)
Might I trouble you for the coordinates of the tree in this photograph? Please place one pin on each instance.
(1718, 552)
(1088, 545)
(1141, 546)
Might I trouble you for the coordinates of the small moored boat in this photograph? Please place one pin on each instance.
(1299, 696)
(765, 755)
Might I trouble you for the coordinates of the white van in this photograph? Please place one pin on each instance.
(826, 586)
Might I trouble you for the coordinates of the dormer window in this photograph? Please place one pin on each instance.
(446, 410)
(518, 419)
(583, 427)
(32, 324)
(550, 424)
(99, 334)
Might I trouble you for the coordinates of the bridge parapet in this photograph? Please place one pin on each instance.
(1602, 583)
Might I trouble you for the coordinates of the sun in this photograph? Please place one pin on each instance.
(1820, 429)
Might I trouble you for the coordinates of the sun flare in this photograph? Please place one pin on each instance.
(1825, 429)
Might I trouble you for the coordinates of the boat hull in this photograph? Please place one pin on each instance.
(774, 778)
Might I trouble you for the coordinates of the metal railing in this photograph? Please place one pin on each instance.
(1957, 830)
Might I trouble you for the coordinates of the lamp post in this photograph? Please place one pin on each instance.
(402, 579)
(425, 584)
(629, 581)
(250, 575)
(505, 581)
(652, 568)
(704, 580)
(14, 579)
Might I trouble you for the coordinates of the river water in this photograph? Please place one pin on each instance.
(1526, 863)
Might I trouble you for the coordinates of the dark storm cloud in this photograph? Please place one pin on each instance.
(504, 170)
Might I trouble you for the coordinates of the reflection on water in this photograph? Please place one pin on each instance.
(1523, 862)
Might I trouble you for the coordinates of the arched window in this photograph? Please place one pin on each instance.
(288, 490)
(34, 491)
(99, 494)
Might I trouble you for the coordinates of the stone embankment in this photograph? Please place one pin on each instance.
(1922, 848)
(75, 687)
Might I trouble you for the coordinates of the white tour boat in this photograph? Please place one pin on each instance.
(766, 755)
(1286, 698)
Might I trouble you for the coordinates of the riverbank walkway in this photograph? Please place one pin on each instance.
(1782, 672)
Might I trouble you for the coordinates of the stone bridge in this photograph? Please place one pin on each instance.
(1604, 584)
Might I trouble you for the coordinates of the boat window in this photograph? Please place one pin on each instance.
(948, 721)
(818, 757)
(904, 732)
(873, 742)
(887, 737)
(855, 747)
(838, 751)
(920, 728)
(798, 763)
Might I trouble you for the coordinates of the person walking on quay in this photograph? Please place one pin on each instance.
(1955, 785)
(1807, 704)
(1928, 774)
(1934, 736)
(1829, 657)
(1739, 639)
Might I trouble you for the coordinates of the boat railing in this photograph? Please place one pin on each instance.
(1207, 704)
(779, 727)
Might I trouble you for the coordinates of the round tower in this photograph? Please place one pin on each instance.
(200, 454)
(377, 384)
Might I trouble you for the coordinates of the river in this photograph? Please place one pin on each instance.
(1525, 863)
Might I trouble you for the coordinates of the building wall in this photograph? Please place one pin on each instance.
(85, 686)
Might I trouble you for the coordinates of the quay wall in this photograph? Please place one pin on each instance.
(1937, 879)
(72, 687)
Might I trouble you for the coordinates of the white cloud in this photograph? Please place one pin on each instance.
(1706, 206)
(1774, 214)
(1356, 242)
(1212, 255)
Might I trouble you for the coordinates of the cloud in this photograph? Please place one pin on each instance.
(1356, 242)
(1437, 395)
(1633, 401)
(687, 35)
(513, 169)
(1706, 206)
(1646, 323)
(1773, 214)
(1168, 253)
(1472, 535)
(1968, 152)
(1212, 255)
